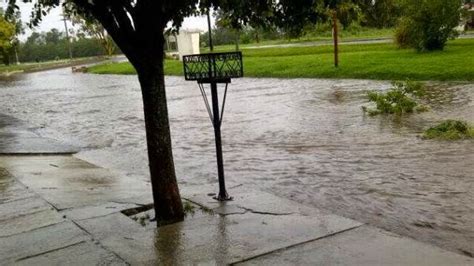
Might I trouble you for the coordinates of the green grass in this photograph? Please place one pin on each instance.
(365, 61)
(450, 130)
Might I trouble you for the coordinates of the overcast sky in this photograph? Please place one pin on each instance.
(54, 20)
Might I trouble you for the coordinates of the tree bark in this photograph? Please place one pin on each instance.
(168, 205)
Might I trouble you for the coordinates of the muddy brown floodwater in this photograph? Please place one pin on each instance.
(303, 139)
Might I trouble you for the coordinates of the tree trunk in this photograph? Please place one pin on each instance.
(142, 42)
(6, 58)
(335, 34)
(168, 205)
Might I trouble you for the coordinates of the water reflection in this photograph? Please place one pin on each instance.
(303, 139)
(168, 244)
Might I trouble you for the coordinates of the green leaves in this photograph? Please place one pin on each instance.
(7, 34)
(427, 25)
(450, 130)
(400, 99)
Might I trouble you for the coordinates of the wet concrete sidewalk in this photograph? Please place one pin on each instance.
(58, 210)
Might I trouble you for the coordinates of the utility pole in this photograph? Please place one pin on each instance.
(15, 47)
(335, 33)
(209, 28)
(67, 37)
(16, 56)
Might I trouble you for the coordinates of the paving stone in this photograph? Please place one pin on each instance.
(125, 237)
(85, 253)
(113, 224)
(88, 212)
(28, 222)
(22, 207)
(363, 246)
(221, 240)
(209, 238)
(249, 199)
(41, 240)
(10, 189)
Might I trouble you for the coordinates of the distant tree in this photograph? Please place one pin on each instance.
(380, 13)
(226, 32)
(428, 24)
(15, 19)
(89, 26)
(54, 36)
(294, 15)
(7, 39)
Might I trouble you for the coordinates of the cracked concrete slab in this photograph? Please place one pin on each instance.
(221, 240)
(88, 212)
(114, 224)
(41, 240)
(208, 237)
(363, 246)
(10, 189)
(248, 199)
(125, 237)
(84, 253)
(28, 222)
(23, 207)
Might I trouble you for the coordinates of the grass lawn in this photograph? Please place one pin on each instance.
(365, 61)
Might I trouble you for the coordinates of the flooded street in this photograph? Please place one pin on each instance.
(303, 139)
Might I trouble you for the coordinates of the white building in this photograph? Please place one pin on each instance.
(188, 42)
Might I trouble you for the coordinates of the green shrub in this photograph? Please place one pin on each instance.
(450, 130)
(400, 99)
(428, 24)
(402, 34)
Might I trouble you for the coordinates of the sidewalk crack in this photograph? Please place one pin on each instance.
(266, 213)
(49, 251)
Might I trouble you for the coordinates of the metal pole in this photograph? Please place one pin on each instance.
(67, 37)
(223, 196)
(211, 46)
(16, 56)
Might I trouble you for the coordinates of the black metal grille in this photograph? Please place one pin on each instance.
(215, 67)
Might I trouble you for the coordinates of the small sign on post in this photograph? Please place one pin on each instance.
(212, 69)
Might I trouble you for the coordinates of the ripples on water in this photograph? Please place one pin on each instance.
(303, 139)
